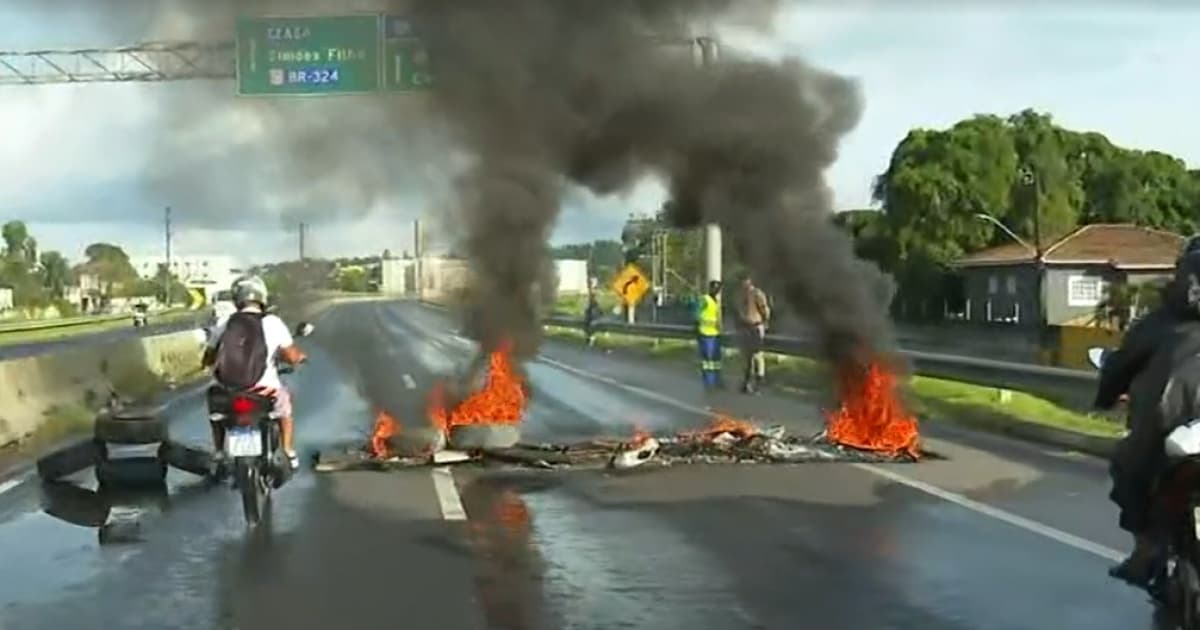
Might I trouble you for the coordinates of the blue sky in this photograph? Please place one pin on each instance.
(75, 158)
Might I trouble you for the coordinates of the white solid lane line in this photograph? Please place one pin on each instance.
(1005, 516)
(409, 382)
(447, 494)
(9, 485)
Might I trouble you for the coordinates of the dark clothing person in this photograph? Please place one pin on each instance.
(590, 315)
(1158, 365)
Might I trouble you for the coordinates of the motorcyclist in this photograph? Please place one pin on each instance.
(1153, 366)
(250, 296)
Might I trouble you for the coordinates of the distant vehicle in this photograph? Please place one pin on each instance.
(139, 315)
(223, 307)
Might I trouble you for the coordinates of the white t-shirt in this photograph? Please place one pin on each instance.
(277, 336)
(221, 312)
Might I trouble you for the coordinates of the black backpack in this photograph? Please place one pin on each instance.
(242, 351)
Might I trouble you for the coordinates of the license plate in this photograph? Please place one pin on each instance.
(243, 442)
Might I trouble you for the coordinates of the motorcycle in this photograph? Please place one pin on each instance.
(139, 316)
(1176, 585)
(252, 441)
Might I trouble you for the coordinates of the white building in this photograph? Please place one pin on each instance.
(443, 276)
(208, 273)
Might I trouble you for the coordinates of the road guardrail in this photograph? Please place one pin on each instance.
(1075, 388)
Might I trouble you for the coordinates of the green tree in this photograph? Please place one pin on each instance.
(604, 257)
(110, 264)
(353, 279)
(19, 246)
(56, 273)
(938, 182)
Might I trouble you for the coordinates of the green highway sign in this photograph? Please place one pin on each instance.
(405, 59)
(304, 56)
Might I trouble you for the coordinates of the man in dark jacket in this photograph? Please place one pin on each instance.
(1156, 365)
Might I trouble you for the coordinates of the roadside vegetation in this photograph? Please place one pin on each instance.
(933, 399)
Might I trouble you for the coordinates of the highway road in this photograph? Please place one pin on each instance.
(1000, 535)
(19, 350)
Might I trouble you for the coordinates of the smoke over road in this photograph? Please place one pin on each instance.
(543, 92)
(539, 94)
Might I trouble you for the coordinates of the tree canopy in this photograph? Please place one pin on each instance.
(939, 182)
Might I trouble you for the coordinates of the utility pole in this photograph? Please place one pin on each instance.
(303, 227)
(168, 276)
(1030, 178)
(709, 54)
(419, 253)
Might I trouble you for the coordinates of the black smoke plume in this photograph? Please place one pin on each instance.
(599, 94)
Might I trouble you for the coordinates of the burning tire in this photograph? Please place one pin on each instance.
(70, 459)
(131, 472)
(416, 442)
(475, 437)
(131, 427)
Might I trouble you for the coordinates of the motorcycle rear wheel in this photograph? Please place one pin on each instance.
(1187, 595)
(252, 487)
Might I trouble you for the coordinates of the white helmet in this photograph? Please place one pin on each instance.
(249, 289)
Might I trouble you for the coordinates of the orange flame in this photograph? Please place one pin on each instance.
(872, 417)
(724, 424)
(501, 401)
(385, 427)
(640, 436)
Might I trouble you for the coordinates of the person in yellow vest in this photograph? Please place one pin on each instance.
(708, 335)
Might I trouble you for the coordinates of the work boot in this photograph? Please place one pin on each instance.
(1138, 569)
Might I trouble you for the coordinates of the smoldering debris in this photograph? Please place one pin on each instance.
(745, 444)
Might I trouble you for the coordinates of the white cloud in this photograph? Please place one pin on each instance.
(95, 152)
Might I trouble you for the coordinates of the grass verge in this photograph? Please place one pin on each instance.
(36, 335)
(933, 399)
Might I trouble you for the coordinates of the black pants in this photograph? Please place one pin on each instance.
(1135, 468)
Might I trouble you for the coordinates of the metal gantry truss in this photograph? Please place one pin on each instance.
(153, 62)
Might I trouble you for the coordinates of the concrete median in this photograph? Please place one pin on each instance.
(38, 394)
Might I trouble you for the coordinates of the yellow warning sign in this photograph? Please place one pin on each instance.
(197, 296)
(630, 285)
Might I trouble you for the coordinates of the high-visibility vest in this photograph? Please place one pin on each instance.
(709, 323)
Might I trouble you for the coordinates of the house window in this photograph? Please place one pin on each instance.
(1084, 291)
(1011, 284)
(993, 284)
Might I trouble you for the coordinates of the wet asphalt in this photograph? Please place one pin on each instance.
(1000, 535)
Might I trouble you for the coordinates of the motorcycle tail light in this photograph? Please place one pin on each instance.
(242, 405)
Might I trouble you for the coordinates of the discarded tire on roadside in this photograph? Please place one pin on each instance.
(131, 427)
(75, 505)
(131, 472)
(188, 459)
(474, 437)
(70, 459)
(416, 442)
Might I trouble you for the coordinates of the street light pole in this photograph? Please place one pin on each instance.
(1030, 178)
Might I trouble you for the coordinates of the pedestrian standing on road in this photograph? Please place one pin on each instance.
(754, 313)
(590, 314)
(708, 335)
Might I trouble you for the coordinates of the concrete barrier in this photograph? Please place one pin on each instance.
(34, 389)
